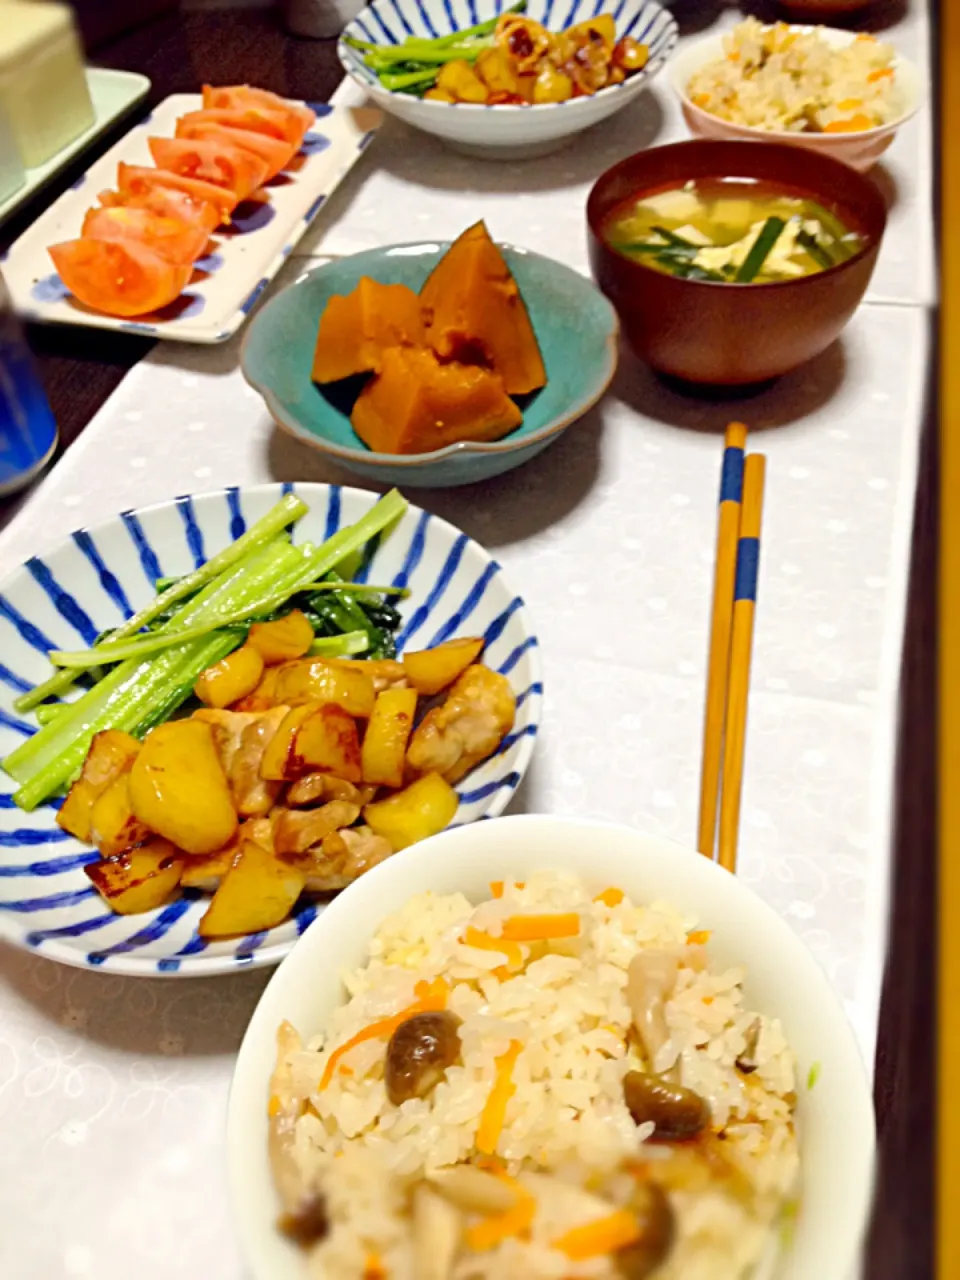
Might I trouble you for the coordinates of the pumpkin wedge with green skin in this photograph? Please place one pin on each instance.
(475, 314)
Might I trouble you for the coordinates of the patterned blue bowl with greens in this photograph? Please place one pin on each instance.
(99, 577)
(576, 327)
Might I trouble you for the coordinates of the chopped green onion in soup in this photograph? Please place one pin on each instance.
(726, 230)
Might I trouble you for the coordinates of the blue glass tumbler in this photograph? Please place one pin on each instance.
(28, 431)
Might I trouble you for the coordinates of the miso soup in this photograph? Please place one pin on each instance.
(731, 231)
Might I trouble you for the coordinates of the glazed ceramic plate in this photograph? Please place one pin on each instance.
(113, 94)
(575, 325)
(506, 132)
(98, 577)
(241, 260)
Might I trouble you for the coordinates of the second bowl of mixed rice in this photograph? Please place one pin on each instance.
(544, 1049)
(836, 92)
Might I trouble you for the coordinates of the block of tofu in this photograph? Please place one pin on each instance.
(43, 87)
(12, 174)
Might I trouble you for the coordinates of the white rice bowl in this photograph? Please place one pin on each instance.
(566, 1014)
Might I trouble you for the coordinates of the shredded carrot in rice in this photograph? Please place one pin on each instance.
(487, 942)
(496, 887)
(273, 1106)
(883, 73)
(856, 124)
(516, 1221)
(610, 897)
(541, 928)
(495, 1108)
(698, 938)
(431, 998)
(373, 1268)
(600, 1237)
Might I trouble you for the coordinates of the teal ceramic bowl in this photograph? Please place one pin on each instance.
(575, 325)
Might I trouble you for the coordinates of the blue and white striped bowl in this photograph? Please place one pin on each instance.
(505, 132)
(98, 577)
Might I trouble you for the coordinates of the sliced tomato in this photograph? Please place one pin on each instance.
(168, 202)
(274, 153)
(120, 278)
(237, 96)
(240, 171)
(274, 124)
(175, 241)
(138, 179)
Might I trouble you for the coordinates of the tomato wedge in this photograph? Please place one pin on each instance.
(273, 124)
(138, 179)
(174, 241)
(168, 202)
(274, 153)
(238, 96)
(224, 166)
(119, 278)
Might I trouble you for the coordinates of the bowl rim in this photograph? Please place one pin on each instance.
(823, 140)
(349, 63)
(258, 1042)
(205, 965)
(872, 245)
(467, 448)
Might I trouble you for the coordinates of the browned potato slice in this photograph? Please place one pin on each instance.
(113, 825)
(421, 810)
(282, 639)
(280, 762)
(257, 892)
(328, 742)
(179, 789)
(206, 872)
(388, 732)
(432, 670)
(111, 753)
(386, 673)
(298, 829)
(315, 680)
(263, 696)
(139, 880)
(230, 679)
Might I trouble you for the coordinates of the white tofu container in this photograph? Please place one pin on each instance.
(12, 174)
(43, 89)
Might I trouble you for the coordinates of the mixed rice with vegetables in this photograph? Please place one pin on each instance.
(555, 1083)
(788, 78)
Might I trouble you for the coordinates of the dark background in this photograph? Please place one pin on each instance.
(80, 368)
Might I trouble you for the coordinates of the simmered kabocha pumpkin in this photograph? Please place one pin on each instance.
(356, 329)
(474, 313)
(417, 404)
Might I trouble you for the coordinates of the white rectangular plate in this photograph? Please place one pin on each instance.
(241, 260)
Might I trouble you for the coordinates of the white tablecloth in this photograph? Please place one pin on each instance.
(112, 1091)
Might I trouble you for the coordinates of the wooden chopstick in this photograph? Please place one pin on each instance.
(741, 650)
(725, 568)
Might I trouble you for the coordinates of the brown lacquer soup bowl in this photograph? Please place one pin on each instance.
(728, 333)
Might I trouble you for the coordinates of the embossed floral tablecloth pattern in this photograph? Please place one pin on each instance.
(112, 1091)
